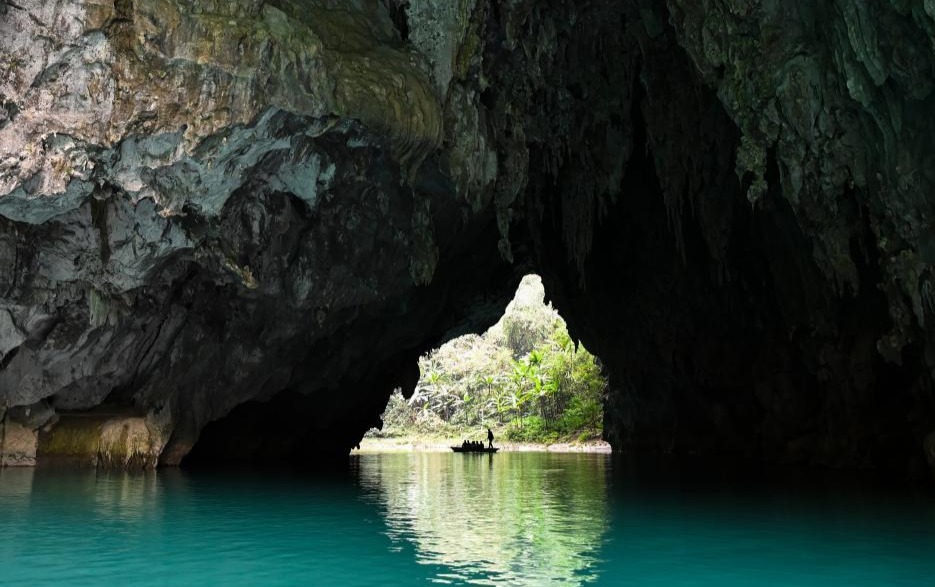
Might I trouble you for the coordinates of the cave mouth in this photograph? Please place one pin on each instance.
(525, 378)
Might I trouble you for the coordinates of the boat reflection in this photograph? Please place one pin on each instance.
(521, 519)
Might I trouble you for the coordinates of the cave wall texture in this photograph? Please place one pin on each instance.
(239, 223)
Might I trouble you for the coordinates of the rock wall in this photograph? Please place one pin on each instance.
(757, 284)
(209, 203)
(18, 445)
(245, 220)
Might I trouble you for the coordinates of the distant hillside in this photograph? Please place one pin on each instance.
(524, 377)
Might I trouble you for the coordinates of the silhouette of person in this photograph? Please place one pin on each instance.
(490, 437)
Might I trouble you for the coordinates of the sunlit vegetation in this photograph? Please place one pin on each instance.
(557, 504)
(525, 377)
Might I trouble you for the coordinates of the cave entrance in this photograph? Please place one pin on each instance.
(525, 378)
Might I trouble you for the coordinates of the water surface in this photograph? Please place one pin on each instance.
(433, 518)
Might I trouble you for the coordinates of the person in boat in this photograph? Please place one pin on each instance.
(489, 437)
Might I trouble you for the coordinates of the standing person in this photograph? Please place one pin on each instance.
(490, 437)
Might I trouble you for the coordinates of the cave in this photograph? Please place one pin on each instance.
(231, 232)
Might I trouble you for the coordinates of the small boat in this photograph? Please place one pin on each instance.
(475, 449)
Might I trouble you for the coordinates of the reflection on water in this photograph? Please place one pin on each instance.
(175, 528)
(522, 519)
(418, 519)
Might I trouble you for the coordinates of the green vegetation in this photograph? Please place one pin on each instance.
(563, 513)
(525, 378)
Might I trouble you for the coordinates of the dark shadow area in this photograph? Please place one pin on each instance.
(339, 383)
(280, 431)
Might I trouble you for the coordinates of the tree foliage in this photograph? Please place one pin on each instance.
(525, 376)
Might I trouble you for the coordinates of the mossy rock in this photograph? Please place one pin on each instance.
(101, 440)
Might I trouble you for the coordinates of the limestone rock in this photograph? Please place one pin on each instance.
(246, 220)
(33, 416)
(104, 440)
(17, 445)
(10, 336)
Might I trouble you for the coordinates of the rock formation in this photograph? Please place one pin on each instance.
(239, 223)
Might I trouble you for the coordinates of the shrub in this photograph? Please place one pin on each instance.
(525, 373)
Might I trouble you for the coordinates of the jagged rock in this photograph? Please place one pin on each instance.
(10, 335)
(163, 153)
(251, 217)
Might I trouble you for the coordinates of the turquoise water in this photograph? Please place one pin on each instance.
(420, 519)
